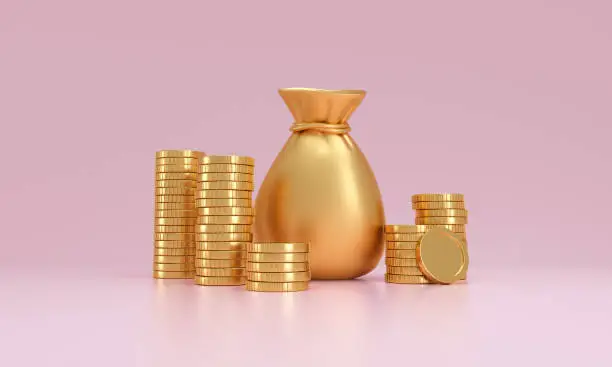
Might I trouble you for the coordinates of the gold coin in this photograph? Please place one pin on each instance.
(189, 184)
(277, 267)
(177, 214)
(175, 191)
(174, 251)
(401, 254)
(223, 194)
(179, 176)
(226, 211)
(211, 263)
(159, 274)
(404, 270)
(408, 237)
(221, 272)
(437, 197)
(174, 229)
(175, 206)
(221, 246)
(225, 219)
(226, 185)
(209, 203)
(228, 159)
(406, 279)
(176, 161)
(223, 237)
(174, 244)
(229, 168)
(233, 176)
(280, 247)
(430, 205)
(392, 261)
(440, 220)
(405, 228)
(276, 287)
(223, 228)
(302, 276)
(442, 213)
(189, 237)
(237, 280)
(180, 168)
(401, 245)
(175, 199)
(220, 255)
(174, 267)
(161, 259)
(441, 256)
(175, 221)
(268, 257)
(188, 153)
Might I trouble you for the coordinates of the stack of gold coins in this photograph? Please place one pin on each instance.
(175, 213)
(400, 254)
(224, 220)
(277, 267)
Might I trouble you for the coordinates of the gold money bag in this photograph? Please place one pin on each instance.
(321, 189)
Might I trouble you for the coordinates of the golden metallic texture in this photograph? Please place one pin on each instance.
(405, 228)
(176, 161)
(174, 229)
(215, 176)
(220, 272)
(406, 279)
(178, 214)
(187, 205)
(174, 244)
(437, 197)
(277, 267)
(401, 254)
(226, 168)
(438, 205)
(226, 185)
(228, 159)
(161, 259)
(278, 247)
(403, 237)
(171, 176)
(440, 220)
(175, 199)
(441, 256)
(221, 246)
(176, 184)
(404, 270)
(175, 191)
(223, 228)
(223, 194)
(158, 274)
(210, 203)
(231, 280)
(174, 267)
(303, 276)
(220, 255)
(212, 263)
(225, 219)
(226, 211)
(189, 237)
(175, 221)
(268, 257)
(276, 287)
(174, 251)
(392, 261)
(442, 213)
(403, 245)
(177, 168)
(188, 153)
(223, 237)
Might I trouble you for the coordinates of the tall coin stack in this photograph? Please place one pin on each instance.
(175, 214)
(224, 219)
(277, 267)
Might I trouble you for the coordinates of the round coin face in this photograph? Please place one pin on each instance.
(276, 287)
(441, 256)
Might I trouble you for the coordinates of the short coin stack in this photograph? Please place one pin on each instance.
(175, 214)
(277, 267)
(224, 219)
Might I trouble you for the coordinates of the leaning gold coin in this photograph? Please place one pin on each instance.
(437, 197)
(276, 287)
(404, 270)
(406, 279)
(174, 267)
(221, 246)
(229, 210)
(176, 161)
(174, 229)
(187, 205)
(178, 214)
(401, 245)
(180, 168)
(430, 205)
(214, 176)
(392, 261)
(303, 276)
(442, 213)
(226, 185)
(209, 203)
(268, 257)
(225, 219)
(223, 228)
(223, 194)
(161, 259)
(175, 221)
(188, 184)
(171, 237)
(221, 272)
(175, 191)
(160, 274)
(188, 153)
(174, 251)
(173, 244)
(229, 168)
(281, 247)
(441, 256)
(171, 176)
(236, 280)
(440, 220)
(211, 263)
(223, 237)
(228, 159)
(277, 267)
(401, 254)
(220, 255)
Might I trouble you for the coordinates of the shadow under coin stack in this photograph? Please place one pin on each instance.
(277, 267)
(175, 214)
(225, 218)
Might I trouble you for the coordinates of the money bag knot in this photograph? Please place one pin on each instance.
(323, 127)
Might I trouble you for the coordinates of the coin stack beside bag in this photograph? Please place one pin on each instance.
(224, 219)
(277, 267)
(175, 213)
